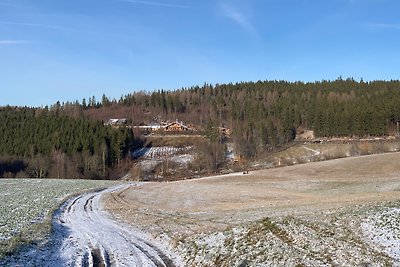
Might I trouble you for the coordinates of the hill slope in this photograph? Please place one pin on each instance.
(315, 211)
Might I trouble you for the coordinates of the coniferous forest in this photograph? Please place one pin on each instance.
(45, 143)
(266, 114)
(70, 140)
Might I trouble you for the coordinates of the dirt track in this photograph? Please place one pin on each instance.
(86, 236)
(195, 206)
(96, 240)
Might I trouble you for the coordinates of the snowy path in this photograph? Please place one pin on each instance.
(85, 235)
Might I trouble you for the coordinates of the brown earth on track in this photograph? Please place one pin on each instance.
(214, 203)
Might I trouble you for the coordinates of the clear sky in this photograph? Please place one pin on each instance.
(67, 50)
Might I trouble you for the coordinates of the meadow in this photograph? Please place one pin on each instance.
(342, 212)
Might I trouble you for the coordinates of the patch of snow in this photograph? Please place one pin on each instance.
(383, 229)
(148, 165)
(159, 153)
(316, 152)
(230, 151)
(184, 159)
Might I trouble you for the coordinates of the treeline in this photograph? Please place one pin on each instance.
(42, 142)
(266, 114)
(69, 139)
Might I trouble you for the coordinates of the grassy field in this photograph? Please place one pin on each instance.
(26, 206)
(310, 152)
(314, 214)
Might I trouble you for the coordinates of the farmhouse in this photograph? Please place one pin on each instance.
(176, 127)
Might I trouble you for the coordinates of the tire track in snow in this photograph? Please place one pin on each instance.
(85, 235)
(99, 241)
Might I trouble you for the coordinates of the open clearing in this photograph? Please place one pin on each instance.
(342, 212)
(313, 214)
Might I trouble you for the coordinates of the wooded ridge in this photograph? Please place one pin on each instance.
(70, 139)
(266, 114)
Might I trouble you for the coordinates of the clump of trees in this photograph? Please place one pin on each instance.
(41, 143)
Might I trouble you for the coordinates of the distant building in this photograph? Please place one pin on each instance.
(176, 127)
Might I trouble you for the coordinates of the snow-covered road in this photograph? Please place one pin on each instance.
(85, 235)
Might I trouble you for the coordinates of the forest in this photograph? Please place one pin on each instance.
(70, 140)
(39, 143)
(265, 115)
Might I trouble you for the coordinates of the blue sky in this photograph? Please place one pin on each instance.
(67, 50)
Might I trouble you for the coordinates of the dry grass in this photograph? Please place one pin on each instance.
(297, 189)
(192, 207)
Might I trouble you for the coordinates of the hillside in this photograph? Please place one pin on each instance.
(265, 115)
(253, 119)
(327, 213)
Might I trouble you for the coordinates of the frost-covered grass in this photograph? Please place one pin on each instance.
(26, 206)
(289, 241)
(383, 228)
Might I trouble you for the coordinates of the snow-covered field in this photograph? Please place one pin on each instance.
(26, 202)
(383, 229)
(288, 241)
(303, 215)
(85, 235)
(159, 153)
(338, 213)
(150, 158)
